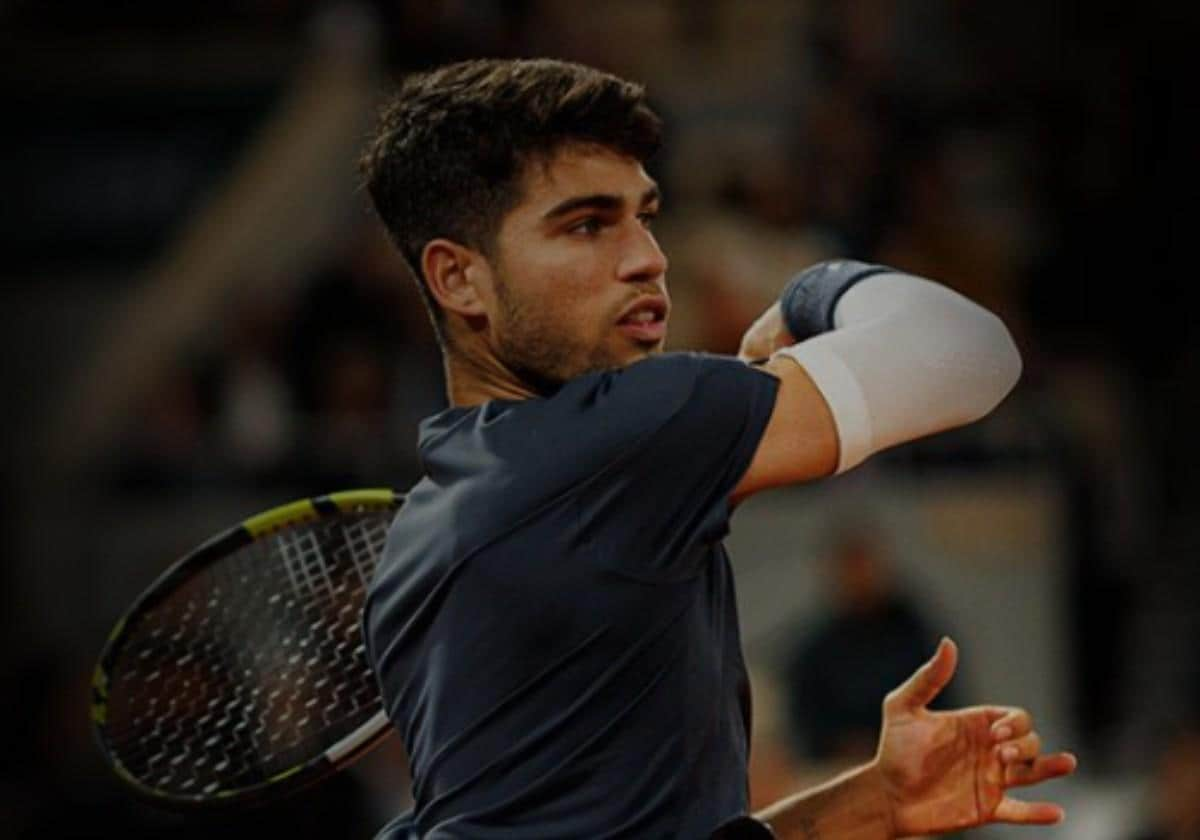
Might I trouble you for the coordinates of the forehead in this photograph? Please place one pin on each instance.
(578, 170)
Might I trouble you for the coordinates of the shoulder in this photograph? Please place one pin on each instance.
(662, 382)
(687, 367)
(654, 394)
(676, 401)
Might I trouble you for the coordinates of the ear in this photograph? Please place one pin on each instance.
(459, 278)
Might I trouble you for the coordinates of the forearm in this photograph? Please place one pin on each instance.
(902, 358)
(851, 807)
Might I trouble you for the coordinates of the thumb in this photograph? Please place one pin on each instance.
(927, 682)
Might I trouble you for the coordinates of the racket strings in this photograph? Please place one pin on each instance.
(253, 666)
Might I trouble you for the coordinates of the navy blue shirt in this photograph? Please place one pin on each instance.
(553, 621)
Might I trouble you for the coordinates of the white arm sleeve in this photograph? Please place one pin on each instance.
(907, 358)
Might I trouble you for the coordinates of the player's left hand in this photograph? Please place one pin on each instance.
(766, 335)
(944, 771)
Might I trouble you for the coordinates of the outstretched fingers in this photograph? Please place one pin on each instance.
(927, 681)
(1040, 769)
(1025, 748)
(1028, 813)
(1031, 771)
(1009, 722)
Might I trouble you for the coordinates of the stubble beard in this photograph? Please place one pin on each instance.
(536, 349)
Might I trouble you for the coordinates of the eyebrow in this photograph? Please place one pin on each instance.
(598, 201)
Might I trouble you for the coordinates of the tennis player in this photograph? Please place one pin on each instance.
(553, 623)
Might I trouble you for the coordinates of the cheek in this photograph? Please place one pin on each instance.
(564, 296)
(550, 316)
(571, 300)
(570, 321)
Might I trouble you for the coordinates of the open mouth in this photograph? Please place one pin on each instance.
(645, 320)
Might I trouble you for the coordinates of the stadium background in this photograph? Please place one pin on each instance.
(200, 319)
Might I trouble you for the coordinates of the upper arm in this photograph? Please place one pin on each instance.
(800, 442)
(661, 444)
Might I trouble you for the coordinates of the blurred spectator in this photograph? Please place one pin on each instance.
(839, 672)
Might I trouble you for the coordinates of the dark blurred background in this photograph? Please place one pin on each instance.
(201, 319)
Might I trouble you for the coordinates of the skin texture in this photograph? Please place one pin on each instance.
(544, 304)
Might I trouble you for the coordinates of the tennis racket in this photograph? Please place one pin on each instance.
(240, 676)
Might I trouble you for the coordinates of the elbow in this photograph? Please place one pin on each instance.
(998, 364)
(1011, 361)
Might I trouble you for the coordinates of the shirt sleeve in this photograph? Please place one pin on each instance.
(668, 440)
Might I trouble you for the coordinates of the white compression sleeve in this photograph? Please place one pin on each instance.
(907, 358)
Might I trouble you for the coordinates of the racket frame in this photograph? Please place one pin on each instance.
(293, 779)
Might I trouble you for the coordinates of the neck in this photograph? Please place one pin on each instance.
(472, 380)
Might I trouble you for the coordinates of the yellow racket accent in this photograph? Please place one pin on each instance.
(276, 518)
(278, 777)
(306, 510)
(371, 496)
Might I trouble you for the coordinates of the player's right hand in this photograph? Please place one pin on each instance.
(766, 335)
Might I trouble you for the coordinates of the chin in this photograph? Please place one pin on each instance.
(630, 357)
(645, 351)
(616, 359)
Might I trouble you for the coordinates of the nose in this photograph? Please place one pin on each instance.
(642, 259)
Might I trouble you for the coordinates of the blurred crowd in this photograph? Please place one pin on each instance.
(1021, 153)
(316, 392)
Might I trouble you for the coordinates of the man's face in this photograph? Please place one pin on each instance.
(580, 282)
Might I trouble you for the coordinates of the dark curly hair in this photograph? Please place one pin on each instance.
(453, 144)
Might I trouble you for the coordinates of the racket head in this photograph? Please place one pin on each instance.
(240, 675)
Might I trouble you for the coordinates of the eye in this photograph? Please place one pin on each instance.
(647, 218)
(589, 226)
